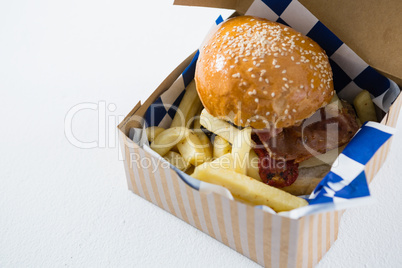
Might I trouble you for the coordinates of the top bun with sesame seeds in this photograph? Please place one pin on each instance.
(259, 73)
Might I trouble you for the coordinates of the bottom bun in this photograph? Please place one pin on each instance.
(307, 180)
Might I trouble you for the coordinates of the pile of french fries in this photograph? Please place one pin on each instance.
(226, 157)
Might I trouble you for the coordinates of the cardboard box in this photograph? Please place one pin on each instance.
(268, 239)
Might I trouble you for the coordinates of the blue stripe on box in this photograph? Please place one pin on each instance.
(219, 20)
(357, 188)
(325, 38)
(188, 73)
(282, 21)
(341, 79)
(372, 139)
(372, 81)
(155, 113)
(278, 6)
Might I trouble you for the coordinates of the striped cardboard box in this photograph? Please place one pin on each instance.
(270, 240)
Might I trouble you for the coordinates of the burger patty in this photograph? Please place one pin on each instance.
(329, 128)
(277, 173)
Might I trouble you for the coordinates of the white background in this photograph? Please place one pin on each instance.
(65, 206)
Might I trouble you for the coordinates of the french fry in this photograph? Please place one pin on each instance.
(365, 107)
(225, 161)
(206, 143)
(185, 106)
(192, 149)
(221, 147)
(218, 126)
(240, 150)
(153, 132)
(177, 160)
(169, 138)
(247, 188)
(196, 123)
(253, 170)
(195, 107)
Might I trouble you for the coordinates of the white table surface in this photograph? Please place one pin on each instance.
(65, 206)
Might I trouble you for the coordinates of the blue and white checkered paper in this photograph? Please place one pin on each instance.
(345, 185)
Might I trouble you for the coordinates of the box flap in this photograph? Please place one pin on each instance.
(369, 27)
(240, 6)
(373, 29)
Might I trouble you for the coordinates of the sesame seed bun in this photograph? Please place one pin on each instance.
(259, 73)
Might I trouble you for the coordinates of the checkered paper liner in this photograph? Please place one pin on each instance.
(345, 185)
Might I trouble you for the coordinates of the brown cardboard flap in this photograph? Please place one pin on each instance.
(371, 28)
(240, 6)
(228, 4)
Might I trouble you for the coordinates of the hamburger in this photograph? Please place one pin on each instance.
(256, 73)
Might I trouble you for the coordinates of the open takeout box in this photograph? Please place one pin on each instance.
(268, 239)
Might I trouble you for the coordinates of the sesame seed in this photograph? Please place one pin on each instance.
(277, 66)
(256, 100)
(245, 59)
(286, 85)
(290, 81)
(267, 113)
(284, 71)
(260, 79)
(237, 75)
(274, 62)
(284, 79)
(232, 66)
(266, 80)
(286, 111)
(253, 75)
(265, 92)
(312, 85)
(273, 94)
(294, 110)
(292, 58)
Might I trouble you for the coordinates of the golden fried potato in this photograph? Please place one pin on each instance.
(247, 188)
(153, 132)
(177, 160)
(221, 147)
(365, 107)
